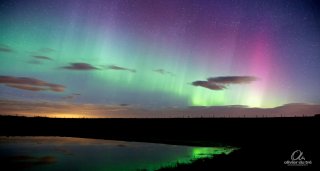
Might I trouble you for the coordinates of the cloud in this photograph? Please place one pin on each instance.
(163, 72)
(232, 79)
(43, 57)
(67, 109)
(5, 48)
(31, 84)
(36, 62)
(80, 67)
(287, 110)
(46, 50)
(71, 97)
(114, 67)
(230, 111)
(62, 109)
(220, 83)
(160, 71)
(208, 85)
(26, 87)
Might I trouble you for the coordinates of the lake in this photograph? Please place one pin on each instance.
(66, 153)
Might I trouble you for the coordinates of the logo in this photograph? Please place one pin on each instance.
(297, 159)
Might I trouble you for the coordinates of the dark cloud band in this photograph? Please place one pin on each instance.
(31, 84)
(5, 48)
(80, 67)
(232, 79)
(208, 85)
(43, 57)
(114, 67)
(220, 83)
(163, 72)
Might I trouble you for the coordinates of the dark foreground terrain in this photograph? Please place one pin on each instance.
(263, 142)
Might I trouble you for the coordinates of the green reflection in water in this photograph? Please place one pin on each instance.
(101, 155)
(204, 152)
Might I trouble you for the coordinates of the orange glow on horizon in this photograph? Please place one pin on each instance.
(56, 115)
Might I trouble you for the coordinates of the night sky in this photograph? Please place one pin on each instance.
(152, 58)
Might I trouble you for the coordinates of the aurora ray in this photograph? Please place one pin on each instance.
(162, 47)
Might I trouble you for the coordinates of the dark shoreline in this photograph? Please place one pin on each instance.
(263, 142)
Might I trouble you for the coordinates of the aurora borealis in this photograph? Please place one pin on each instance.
(105, 57)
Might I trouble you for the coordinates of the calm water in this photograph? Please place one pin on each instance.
(64, 153)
